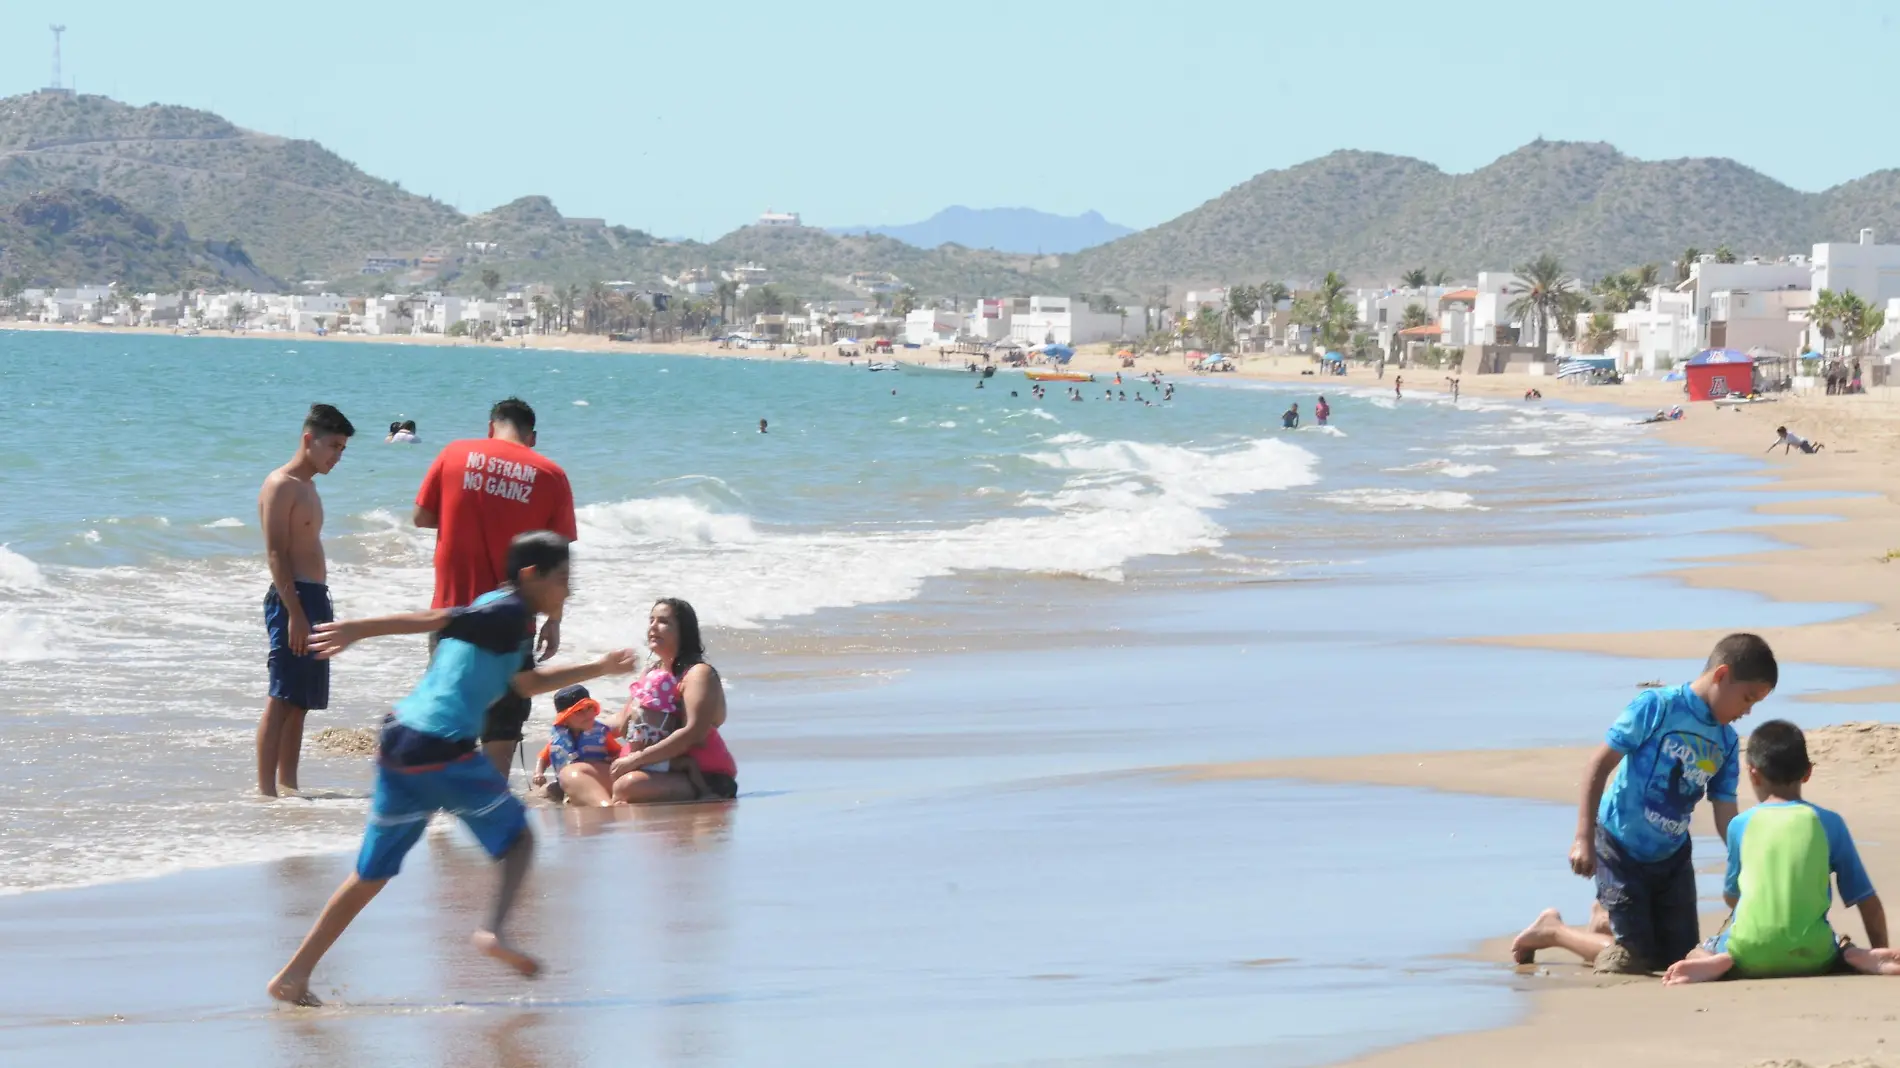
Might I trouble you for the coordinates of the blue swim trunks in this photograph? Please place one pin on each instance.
(421, 774)
(301, 681)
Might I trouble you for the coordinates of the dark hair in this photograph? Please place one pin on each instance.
(409, 425)
(515, 412)
(1781, 430)
(1779, 751)
(393, 427)
(543, 550)
(325, 419)
(1747, 658)
(692, 647)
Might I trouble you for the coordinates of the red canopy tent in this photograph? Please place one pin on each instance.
(1716, 373)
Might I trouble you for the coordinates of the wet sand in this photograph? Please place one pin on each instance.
(1582, 1020)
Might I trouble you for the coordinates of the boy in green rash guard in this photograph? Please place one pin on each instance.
(1780, 854)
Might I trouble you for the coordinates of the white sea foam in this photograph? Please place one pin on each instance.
(1444, 467)
(1329, 430)
(19, 573)
(1068, 439)
(1533, 449)
(1392, 500)
(580, 404)
(226, 522)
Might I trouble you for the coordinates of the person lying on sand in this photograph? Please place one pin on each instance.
(1780, 855)
(1668, 748)
(1788, 440)
(579, 751)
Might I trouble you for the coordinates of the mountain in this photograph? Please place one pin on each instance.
(76, 236)
(299, 209)
(1372, 216)
(1020, 230)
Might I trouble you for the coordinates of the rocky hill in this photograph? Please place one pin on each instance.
(1020, 230)
(300, 210)
(75, 236)
(1372, 216)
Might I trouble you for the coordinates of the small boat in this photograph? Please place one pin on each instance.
(885, 365)
(1058, 376)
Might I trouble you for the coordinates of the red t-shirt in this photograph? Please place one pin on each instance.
(484, 491)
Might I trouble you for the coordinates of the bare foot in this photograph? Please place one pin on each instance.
(1539, 935)
(487, 944)
(292, 991)
(1698, 970)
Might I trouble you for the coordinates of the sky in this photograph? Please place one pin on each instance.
(687, 120)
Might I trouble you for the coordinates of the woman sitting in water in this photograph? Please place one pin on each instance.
(672, 719)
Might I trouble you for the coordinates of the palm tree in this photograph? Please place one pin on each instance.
(570, 299)
(1570, 308)
(235, 313)
(1859, 322)
(1207, 327)
(1823, 315)
(543, 311)
(905, 303)
(1539, 287)
(132, 308)
(1723, 255)
(1648, 277)
(1618, 292)
(1600, 333)
(1441, 277)
(1687, 263)
(728, 294)
(491, 281)
(1414, 279)
(1242, 302)
(1415, 316)
(771, 302)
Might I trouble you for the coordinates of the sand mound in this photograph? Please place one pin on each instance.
(1870, 745)
(356, 741)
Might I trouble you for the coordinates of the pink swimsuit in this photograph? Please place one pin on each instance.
(662, 708)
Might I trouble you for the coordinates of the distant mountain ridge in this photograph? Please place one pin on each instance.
(1024, 231)
(1372, 216)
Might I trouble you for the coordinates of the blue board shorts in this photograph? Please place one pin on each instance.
(421, 774)
(301, 681)
(1652, 904)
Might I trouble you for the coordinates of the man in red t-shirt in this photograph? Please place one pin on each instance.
(478, 495)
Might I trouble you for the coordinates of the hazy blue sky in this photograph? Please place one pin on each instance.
(689, 119)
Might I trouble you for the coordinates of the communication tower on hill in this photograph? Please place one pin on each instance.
(57, 86)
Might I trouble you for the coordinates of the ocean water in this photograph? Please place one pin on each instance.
(951, 621)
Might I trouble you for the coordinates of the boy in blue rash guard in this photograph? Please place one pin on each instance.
(1668, 749)
(429, 759)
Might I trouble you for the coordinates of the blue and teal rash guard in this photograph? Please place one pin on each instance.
(480, 652)
(1674, 752)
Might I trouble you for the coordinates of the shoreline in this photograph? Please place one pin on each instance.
(1815, 1021)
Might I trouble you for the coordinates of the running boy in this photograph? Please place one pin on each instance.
(1668, 749)
(291, 513)
(1780, 854)
(429, 761)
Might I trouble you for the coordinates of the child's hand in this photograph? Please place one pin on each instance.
(618, 662)
(329, 639)
(630, 762)
(540, 779)
(1583, 856)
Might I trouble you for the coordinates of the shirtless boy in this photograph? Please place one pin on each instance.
(291, 513)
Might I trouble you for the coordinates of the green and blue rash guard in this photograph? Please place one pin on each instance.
(480, 653)
(1780, 855)
(1674, 752)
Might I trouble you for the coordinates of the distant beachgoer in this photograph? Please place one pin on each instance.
(428, 759)
(579, 751)
(761, 426)
(691, 691)
(403, 433)
(1781, 855)
(979, 383)
(394, 429)
(1667, 749)
(1322, 411)
(1533, 394)
(291, 513)
(1398, 386)
(1454, 389)
(1290, 419)
(477, 496)
(1788, 440)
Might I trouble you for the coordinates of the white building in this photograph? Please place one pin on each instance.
(1745, 319)
(932, 326)
(1036, 320)
(779, 218)
(989, 320)
(1865, 269)
(1660, 333)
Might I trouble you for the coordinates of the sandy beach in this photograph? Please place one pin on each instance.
(1834, 520)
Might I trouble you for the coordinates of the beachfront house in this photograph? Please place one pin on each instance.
(1657, 334)
(988, 320)
(932, 326)
(1868, 270)
(1745, 320)
(1037, 320)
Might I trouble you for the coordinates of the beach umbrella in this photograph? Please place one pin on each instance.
(1195, 356)
(1060, 352)
(847, 342)
(1334, 357)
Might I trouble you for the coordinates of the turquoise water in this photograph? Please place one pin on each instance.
(950, 619)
